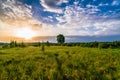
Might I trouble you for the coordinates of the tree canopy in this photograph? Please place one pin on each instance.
(60, 38)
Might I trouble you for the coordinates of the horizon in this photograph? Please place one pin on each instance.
(68, 39)
(23, 20)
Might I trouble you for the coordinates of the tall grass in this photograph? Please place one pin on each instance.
(59, 63)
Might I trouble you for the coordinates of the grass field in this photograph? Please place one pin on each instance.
(59, 63)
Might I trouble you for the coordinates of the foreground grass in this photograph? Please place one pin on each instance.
(59, 63)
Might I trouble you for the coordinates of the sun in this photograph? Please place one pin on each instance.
(25, 32)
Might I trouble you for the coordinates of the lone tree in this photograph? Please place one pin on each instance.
(60, 39)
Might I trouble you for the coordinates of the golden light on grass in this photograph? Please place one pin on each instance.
(25, 32)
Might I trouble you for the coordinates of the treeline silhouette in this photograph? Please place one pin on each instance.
(115, 44)
(13, 44)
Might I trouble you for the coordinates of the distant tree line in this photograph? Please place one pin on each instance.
(115, 44)
(13, 44)
(61, 42)
(1, 44)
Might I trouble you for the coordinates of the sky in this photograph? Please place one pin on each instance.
(30, 18)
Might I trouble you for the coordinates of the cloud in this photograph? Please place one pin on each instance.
(5, 29)
(110, 27)
(101, 4)
(73, 19)
(115, 2)
(80, 21)
(91, 9)
(15, 13)
(53, 5)
(75, 16)
(12, 9)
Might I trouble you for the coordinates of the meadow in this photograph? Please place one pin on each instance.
(59, 63)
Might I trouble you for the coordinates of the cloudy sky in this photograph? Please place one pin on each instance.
(30, 18)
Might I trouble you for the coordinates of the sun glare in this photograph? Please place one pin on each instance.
(25, 32)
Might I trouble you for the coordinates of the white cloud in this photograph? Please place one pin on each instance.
(5, 29)
(110, 27)
(79, 21)
(52, 5)
(89, 6)
(101, 4)
(13, 9)
(115, 2)
(62, 1)
(14, 14)
(75, 20)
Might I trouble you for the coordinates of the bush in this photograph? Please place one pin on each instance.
(5, 46)
(13, 44)
(103, 45)
(22, 45)
(47, 43)
(43, 48)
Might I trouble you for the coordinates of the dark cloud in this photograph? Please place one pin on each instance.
(51, 3)
(54, 3)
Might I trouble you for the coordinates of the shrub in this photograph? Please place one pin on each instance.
(22, 45)
(47, 43)
(43, 48)
(5, 46)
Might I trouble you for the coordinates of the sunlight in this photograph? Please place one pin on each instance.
(25, 32)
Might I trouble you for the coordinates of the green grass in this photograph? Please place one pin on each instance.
(59, 63)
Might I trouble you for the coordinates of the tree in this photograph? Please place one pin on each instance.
(39, 44)
(22, 44)
(43, 47)
(13, 44)
(60, 39)
(47, 43)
